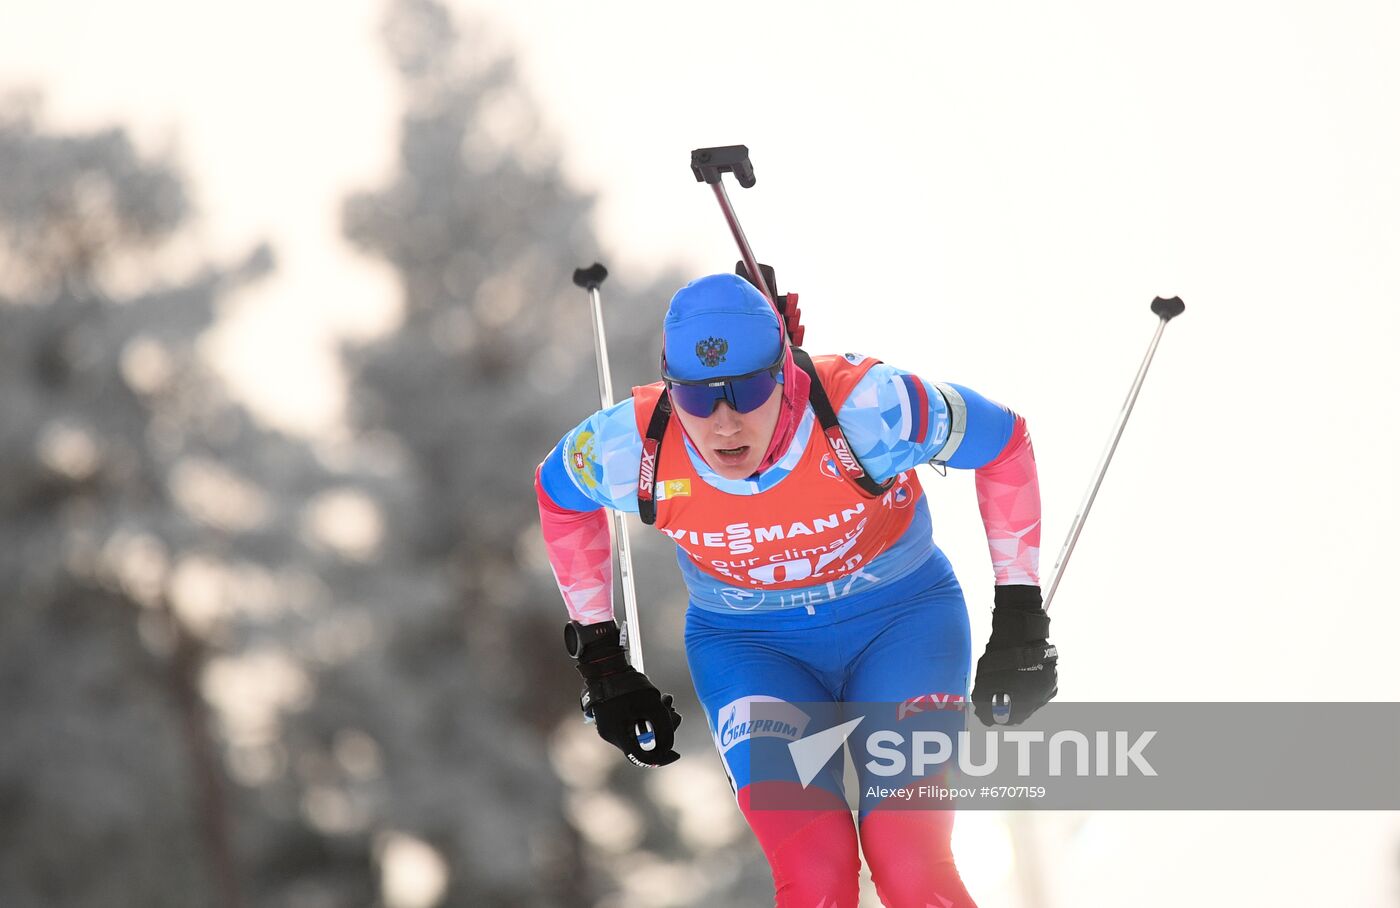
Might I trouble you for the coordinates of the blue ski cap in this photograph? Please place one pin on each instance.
(720, 325)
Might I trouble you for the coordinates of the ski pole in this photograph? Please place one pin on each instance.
(590, 279)
(1165, 310)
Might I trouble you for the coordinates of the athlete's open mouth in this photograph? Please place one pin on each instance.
(732, 457)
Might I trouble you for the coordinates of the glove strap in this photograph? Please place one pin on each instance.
(1020, 658)
(616, 684)
(1012, 628)
(597, 649)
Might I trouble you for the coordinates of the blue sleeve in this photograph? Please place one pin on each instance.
(989, 427)
(895, 421)
(595, 465)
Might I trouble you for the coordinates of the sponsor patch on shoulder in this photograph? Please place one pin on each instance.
(854, 359)
(586, 469)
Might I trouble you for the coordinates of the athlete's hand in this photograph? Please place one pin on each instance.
(1020, 661)
(621, 699)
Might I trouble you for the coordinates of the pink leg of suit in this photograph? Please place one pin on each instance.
(815, 858)
(911, 858)
(812, 852)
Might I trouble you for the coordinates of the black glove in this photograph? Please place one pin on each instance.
(619, 697)
(1019, 661)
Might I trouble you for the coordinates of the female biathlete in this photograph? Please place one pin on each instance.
(804, 539)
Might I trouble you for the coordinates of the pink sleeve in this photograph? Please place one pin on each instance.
(1008, 493)
(579, 545)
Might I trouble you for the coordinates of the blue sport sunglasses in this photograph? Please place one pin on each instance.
(744, 393)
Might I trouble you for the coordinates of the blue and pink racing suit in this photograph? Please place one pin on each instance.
(804, 589)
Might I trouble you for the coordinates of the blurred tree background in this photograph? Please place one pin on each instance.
(243, 669)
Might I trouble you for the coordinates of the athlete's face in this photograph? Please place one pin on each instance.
(733, 443)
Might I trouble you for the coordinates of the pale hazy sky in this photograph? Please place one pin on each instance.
(985, 194)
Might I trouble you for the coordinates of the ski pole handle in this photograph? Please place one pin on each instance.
(1168, 309)
(710, 164)
(592, 277)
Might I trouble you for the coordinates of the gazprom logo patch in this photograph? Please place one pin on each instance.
(737, 724)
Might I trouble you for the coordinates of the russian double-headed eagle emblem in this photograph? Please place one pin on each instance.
(711, 351)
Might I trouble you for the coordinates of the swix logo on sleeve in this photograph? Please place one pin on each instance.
(646, 478)
(843, 452)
